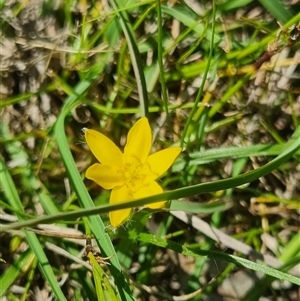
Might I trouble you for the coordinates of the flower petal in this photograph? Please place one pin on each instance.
(119, 194)
(161, 161)
(103, 148)
(106, 176)
(152, 188)
(139, 141)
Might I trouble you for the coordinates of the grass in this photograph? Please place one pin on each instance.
(233, 216)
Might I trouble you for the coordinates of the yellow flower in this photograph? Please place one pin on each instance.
(130, 174)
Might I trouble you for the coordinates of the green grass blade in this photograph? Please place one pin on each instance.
(103, 287)
(195, 252)
(235, 152)
(160, 60)
(289, 258)
(18, 267)
(277, 10)
(12, 196)
(188, 17)
(228, 94)
(201, 88)
(134, 55)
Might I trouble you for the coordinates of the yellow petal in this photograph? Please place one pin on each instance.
(103, 148)
(161, 161)
(152, 188)
(139, 141)
(105, 176)
(119, 194)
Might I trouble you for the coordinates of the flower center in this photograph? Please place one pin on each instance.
(131, 170)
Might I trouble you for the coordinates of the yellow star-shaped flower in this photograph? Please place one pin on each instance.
(130, 174)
